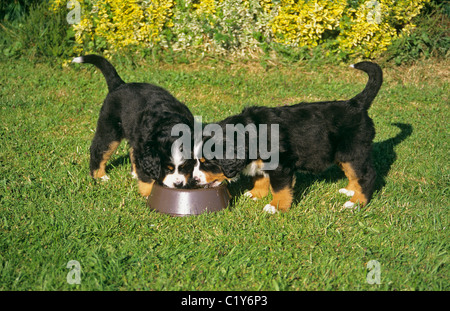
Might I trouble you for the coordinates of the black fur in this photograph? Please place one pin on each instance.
(313, 136)
(143, 114)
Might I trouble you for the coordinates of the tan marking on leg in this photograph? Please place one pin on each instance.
(145, 188)
(261, 186)
(282, 199)
(133, 165)
(353, 184)
(101, 172)
(359, 197)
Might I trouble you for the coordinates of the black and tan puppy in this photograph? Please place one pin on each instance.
(144, 114)
(311, 137)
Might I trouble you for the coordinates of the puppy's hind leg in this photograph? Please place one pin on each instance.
(99, 157)
(361, 182)
(106, 140)
(133, 165)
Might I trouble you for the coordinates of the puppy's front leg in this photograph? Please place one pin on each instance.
(282, 200)
(260, 188)
(281, 185)
(145, 188)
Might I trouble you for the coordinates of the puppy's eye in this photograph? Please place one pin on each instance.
(184, 166)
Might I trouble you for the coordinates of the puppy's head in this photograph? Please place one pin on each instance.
(162, 158)
(207, 172)
(214, 171)
(177, 171)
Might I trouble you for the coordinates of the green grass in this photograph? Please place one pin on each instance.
(52, 212)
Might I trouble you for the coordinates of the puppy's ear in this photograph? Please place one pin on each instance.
(231, 167)
(150, 162)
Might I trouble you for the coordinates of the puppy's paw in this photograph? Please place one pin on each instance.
(270, 209)
(134, 175)
(104, 178)
(349, 204)
(250, 195)
(348, 193)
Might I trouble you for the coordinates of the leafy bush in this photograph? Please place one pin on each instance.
(43, 33)
(296, 29)
(431, 37)
(350, 28)
(16, 10)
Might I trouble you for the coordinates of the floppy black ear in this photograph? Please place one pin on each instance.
(150, 162)
(231, 167)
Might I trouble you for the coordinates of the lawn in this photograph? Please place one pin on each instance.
(52, 212)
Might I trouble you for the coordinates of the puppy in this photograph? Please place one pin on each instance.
(311, 137)
(144, 114)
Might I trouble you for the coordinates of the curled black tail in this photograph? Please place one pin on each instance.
(365, 98)
(109, 72)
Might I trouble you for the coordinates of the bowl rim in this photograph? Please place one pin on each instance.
(218, 188)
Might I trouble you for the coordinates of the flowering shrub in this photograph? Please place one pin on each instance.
(302, 23)
(358, 27)
(113, 25)
(374, 24)
(220, 26)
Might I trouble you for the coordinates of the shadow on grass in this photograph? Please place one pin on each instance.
(384, 155)
(123, 160)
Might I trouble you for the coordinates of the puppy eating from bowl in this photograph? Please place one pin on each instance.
(144, 114)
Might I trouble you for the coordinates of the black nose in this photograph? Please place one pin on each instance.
(178, 184)
(191, 183)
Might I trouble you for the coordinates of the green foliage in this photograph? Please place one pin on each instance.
(431, 37)
(43, 33)
(17, 9)
(188, 30)
(360, 28)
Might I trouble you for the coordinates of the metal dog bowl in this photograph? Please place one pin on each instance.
(183, 202)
